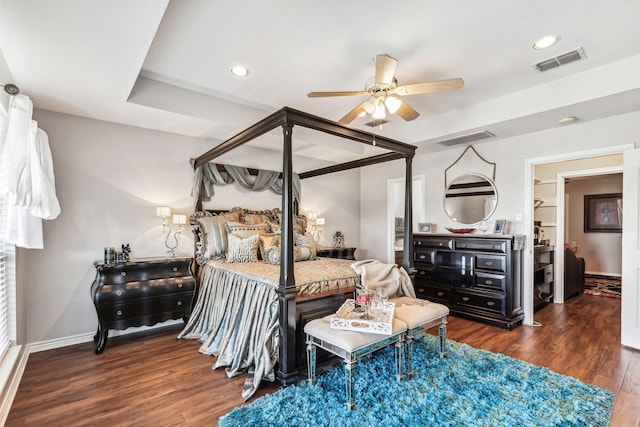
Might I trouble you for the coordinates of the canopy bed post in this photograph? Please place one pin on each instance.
(407, 254)
(287, 290)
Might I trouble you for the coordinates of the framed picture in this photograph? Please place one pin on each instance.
(603, 213)
(425, 227)
(498, 228)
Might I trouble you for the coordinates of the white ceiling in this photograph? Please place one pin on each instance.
(166, 65)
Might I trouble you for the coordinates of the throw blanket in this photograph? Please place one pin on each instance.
(375, 274)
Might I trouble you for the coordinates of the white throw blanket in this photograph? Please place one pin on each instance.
(375, 274)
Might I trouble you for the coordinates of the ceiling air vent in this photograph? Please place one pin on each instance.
(565, 58)
(466, 139)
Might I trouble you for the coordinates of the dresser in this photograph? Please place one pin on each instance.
(141, 292)
(477, 276)
(344, 253)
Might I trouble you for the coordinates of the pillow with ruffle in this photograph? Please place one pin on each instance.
(256, 218)
(243, 250)
(213, 233)
(307, 241)
(300, 253)
(266, 242)
(277, 228)
(246, 230)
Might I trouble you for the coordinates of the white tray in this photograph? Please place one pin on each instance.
(378, 322)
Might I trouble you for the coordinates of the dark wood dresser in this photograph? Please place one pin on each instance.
(477, 276)
(141, 292)
(343, 253)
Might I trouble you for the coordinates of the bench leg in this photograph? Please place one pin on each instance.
(349, 366)
(399, 355)
(311, 360)
(443, 336)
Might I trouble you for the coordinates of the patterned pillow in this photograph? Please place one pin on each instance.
(266, 242)
(277, 228)
(246, 230)
(214, 236)
(306, 240)
(243, 250)
(300, 253)
(250, 218)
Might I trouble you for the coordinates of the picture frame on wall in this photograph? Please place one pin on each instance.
(425, 227)
(499, 226)
(603, 213)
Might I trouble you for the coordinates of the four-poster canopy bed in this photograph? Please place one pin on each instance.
(286, 308)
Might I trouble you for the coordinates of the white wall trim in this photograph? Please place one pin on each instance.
(12, 367)
(527, 292)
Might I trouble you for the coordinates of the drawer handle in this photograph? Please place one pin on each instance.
(422, 257)
(123, 273)
(119, 312)
(119, 293)
(441, 244)
(420, 272)
(180, 284)
(491, 303)
(488, 282)
(421, 290)
(440, 293)
(179, 302)
(175, 268)
(489, 263)
(465, 299)
(419, 243)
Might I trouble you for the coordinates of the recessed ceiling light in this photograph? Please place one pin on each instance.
(567, 120)
(546, 41)
(239, 71)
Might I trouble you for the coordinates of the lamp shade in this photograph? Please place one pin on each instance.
(319, 221)
(163, 211)
(180, 219)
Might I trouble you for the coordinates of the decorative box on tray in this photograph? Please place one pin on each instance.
(372, 320)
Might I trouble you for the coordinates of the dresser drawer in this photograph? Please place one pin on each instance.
(433, 242)
(491, 262)
(424, 256)
(425, 273)
(433, 293)
(482, 245)
(491, 281)
(113, 293)
(492, 302)
(178, 304)
(142, 271)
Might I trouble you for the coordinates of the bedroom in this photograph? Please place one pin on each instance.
(110, 177)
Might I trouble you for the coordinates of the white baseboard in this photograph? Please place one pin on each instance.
(11, 370)
(88, 337)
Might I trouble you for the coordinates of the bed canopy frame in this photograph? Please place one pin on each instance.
(287, 118)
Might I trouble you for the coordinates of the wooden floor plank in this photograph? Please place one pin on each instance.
(155, 380)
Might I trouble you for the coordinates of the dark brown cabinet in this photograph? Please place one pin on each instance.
(476, 276)
(141, 292)
(344, 253)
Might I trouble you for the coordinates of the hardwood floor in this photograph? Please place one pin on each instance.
(156, 380)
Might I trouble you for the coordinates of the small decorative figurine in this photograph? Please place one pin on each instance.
(123, 256)
(338, 239)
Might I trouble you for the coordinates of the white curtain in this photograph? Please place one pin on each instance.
(27, 182)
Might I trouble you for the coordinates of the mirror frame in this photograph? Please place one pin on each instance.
(446, 195)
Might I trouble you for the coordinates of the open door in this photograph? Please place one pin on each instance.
(631, 250)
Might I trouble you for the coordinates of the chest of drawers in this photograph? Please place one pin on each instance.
(141, 292)
(476, 276)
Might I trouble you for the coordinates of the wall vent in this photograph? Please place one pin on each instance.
(466, 139)
(564, 59)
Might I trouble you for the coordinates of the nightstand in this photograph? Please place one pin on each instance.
(343, 253)
(141, 292)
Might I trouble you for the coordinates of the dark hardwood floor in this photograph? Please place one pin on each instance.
(156, 380)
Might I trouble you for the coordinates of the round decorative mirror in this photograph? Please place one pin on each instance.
(470, 199)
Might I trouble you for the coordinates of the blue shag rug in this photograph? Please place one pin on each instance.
(469, 387)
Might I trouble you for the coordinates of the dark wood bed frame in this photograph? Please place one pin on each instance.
(295, 312)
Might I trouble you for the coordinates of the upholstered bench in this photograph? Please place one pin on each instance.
(420, 315)
(351, 347)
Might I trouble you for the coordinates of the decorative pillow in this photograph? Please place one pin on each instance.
(255, 218)
(277, 228)
(243, 250)
(214, 236)
(231, 216)
(246, 230)
(307, 241)
(300, 253)
(299, 221)
(266, 242)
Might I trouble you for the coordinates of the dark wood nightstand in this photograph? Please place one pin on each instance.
(343, 253)
(141, 292)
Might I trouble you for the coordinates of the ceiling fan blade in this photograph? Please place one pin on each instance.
(406, 112)
(323, 94)
(385, 69)
(352, 115)
(429, 87)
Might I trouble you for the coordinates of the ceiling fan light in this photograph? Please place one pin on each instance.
(393, 104)
(369, 106)
(380, 112)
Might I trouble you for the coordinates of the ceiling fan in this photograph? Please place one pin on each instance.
(384, 93)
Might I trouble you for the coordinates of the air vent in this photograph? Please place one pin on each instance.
(466, 139)
(374, 123)
(564, 59)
